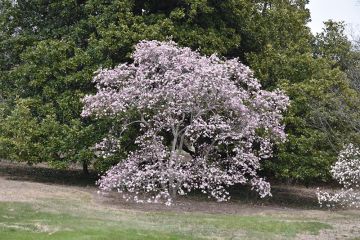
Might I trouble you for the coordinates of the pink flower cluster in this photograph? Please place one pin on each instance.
(346, 171)
(205, 123)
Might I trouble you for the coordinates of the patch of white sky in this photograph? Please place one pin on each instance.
(338, 10)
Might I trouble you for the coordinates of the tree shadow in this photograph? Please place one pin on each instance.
(243, 201)
(283, 196)
(44, 174)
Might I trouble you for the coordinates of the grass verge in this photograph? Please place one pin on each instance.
(67, 220)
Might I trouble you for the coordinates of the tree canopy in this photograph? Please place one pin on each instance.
(204, 122)
(50, 50)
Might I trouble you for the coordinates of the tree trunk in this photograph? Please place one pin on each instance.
(85, 168)
(172, 188)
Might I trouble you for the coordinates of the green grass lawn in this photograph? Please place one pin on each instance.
(66, 220)
(40, 203)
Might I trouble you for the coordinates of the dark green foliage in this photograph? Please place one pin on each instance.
(323, 103)
(49, 51)
(333, 45)
(315, 125)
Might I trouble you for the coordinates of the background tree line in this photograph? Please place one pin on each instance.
(49, 51)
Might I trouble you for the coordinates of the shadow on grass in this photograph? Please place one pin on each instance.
(45, 174)
(243, 201)
(283, 195)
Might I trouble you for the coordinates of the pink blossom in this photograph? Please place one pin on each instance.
(346, 171)
(221, 124)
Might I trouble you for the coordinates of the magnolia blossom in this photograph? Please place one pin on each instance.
(205, 123)
(346, 171)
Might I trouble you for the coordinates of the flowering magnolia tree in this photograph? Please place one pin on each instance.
(346, 171)
(204, 121)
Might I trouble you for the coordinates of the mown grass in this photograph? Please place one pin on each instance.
(69, 220)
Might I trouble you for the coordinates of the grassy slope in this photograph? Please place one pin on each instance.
(42, 203)
(54, 220)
